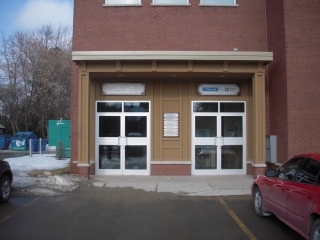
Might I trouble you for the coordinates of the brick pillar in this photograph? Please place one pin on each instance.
(84, 170)
(259, 170)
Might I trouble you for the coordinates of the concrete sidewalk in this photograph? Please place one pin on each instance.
(182, 185)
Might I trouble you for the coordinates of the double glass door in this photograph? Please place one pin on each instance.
(122, 131)
(218, 138)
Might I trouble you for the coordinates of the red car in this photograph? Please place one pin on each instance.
(292, 193)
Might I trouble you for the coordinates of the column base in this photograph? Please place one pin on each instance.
(258, 169)
(84, 170)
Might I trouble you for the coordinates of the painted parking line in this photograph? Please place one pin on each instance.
(238, 221)
(18, 210)
(4, 218)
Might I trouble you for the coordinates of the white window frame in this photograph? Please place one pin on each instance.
(234, 4)
(170, 3)
(122, 3)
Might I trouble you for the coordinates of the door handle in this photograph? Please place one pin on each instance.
(222, 141)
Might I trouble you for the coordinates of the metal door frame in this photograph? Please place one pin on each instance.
(123, 141)
(218, 140)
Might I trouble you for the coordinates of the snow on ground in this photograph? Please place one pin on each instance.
(21, 166)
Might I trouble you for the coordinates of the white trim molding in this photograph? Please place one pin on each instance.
(83, 165)
(259, 165)
(172, 55)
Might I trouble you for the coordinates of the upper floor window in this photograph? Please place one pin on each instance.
(122, 2)
(171, 2)
(218, 2)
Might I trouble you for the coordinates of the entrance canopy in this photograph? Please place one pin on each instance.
(159, 66)
(172, 55)
(200, 64)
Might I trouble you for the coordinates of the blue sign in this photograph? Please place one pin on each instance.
(218, 89)
(210, 89)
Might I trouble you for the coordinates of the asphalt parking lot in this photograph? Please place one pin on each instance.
(124, 213)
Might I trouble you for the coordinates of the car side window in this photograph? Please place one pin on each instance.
(309, 172)
(289, 169)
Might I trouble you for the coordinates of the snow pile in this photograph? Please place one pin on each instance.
(61, 183)
(21, 166)
(25, 164)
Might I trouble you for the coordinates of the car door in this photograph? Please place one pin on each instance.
(301, 195)
(276, 187)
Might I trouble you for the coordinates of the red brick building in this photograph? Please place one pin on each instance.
(177, 87)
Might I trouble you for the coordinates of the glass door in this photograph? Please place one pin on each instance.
(218, 138)
(122, 134)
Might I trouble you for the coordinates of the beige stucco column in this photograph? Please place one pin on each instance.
(259, 122)
(83, 119)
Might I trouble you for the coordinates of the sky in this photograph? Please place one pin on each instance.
(30, 14)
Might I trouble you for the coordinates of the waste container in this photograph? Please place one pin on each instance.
(4, 141)
(20, 141)
(59, 132)
(36, 145)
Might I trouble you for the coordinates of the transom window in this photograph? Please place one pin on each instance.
(225, 107)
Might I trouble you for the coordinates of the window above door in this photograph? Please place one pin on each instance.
(122, 106)
(227, 107)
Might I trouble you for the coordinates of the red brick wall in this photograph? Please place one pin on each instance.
(294, 75)
(278, 116)
(258, 171)
(73, 167)
(84, 172)
(249, 169)
(190, 28)
(170, 169)
(303, 58)
(74, 117)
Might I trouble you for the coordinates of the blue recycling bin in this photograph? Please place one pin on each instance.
(36, 145)
(20, 141)
(5, 141)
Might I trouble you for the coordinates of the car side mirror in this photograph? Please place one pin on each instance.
(270, 173)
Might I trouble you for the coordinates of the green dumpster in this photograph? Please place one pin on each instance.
(59, 131)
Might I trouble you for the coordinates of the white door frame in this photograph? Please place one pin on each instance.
(218, 141)
(122, 141)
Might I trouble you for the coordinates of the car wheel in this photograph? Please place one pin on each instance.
(5, 185)
(315, 231)
(258, 203)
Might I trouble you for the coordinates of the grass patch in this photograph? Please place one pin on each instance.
(59, 171)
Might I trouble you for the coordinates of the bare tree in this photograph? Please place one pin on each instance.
(37, 66)
(10, 81)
